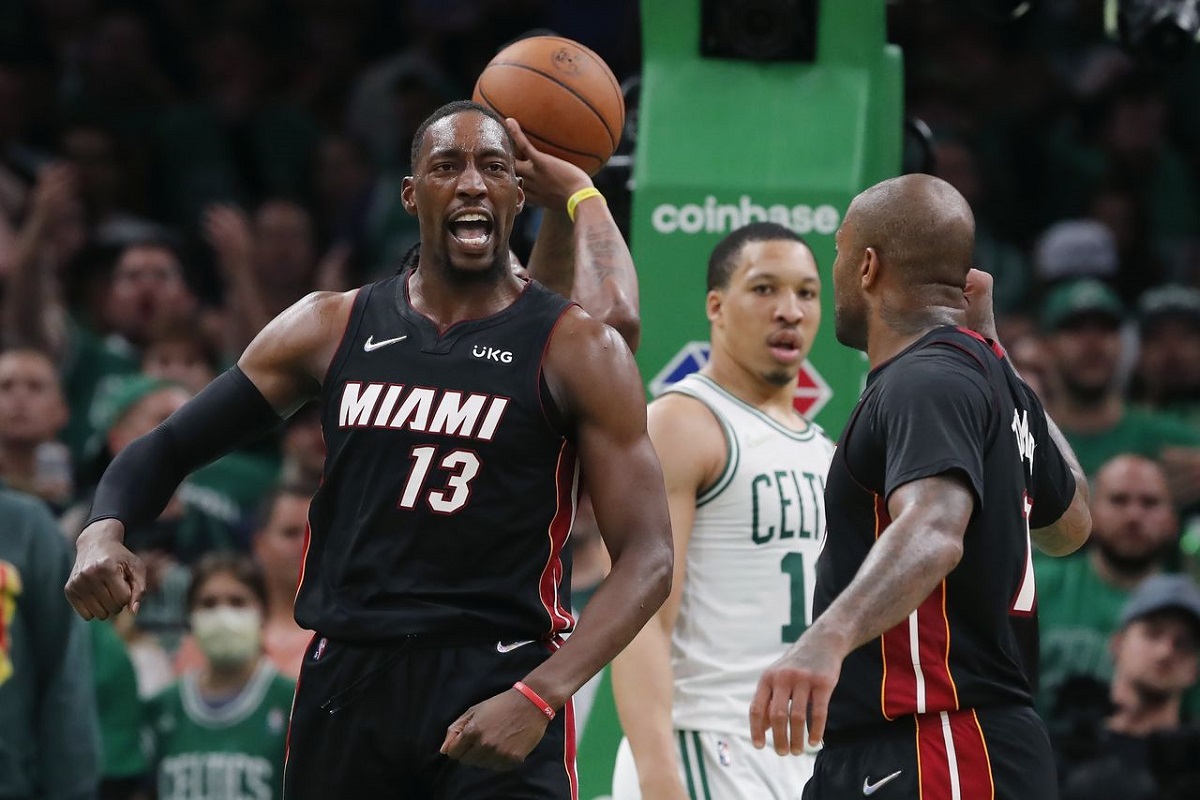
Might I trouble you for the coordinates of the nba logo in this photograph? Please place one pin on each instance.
(723, 753)
(320, 649)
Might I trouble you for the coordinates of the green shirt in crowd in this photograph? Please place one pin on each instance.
(119, 708)
(235, 749)
(1141, 432)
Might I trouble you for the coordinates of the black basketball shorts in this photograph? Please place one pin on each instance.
(984, 754)
(368, 722)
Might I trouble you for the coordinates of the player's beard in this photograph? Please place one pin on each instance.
(779, 377)
(850, 325)
(495, 272)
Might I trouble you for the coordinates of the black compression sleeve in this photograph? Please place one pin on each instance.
(139, 483)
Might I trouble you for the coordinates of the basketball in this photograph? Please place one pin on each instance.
(566, 98)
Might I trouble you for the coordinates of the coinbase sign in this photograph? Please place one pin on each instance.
(714, 216)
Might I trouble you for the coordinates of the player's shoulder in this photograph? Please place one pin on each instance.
(949, 361)
(578, 337)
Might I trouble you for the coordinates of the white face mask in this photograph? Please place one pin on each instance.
(228, 636)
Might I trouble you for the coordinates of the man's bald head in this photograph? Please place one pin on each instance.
(920, 227)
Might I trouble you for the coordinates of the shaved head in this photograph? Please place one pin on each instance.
(908, 243)
(919, 225)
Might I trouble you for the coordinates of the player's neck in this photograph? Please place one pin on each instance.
(773, 400)
(891, 331)
(446, 301)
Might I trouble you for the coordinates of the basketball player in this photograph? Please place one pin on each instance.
(460, 404)
(945, 470)
(745, 478)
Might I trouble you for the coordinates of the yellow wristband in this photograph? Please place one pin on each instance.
(577, 198)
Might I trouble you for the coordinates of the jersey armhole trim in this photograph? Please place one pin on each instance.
(353, 322)
(558, 420)
(732, 452)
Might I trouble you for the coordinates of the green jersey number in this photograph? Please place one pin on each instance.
(793, 566)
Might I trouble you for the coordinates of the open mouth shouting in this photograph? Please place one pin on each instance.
(785, 346)
(471, 229)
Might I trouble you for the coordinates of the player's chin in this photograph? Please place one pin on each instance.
(780, 376)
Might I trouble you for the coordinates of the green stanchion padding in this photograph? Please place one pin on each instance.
(722, 143)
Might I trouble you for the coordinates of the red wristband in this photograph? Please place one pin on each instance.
(535, 698)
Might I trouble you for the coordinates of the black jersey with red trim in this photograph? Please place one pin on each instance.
(448, 492)
(948, 404)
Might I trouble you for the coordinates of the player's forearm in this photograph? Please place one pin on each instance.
(606, 284)
(1072, 529)
(643, 684)
(635, 588)
(552, 260)
(902, 569)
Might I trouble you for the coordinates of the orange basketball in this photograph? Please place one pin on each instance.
(566, 98)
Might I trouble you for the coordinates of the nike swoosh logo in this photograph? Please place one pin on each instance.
(871, 788)
(370, 344)
(501, 647)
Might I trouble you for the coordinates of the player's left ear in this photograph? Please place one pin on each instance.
(713, 304)
(408, 196)
(870, 268)
(520, 194)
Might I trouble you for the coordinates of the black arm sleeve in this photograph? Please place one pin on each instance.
(139, 483)
(934, 420)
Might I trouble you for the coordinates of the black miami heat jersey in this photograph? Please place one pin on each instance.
(448, 492)
(948, 404)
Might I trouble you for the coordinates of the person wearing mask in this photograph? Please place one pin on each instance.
(221, 731)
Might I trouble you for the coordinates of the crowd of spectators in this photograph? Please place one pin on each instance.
(173, 173)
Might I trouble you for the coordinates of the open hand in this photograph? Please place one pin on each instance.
(496, 734)
(547, 180)
(106, 576)
(803, 676)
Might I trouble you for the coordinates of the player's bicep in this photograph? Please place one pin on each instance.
(939, 506)
(598, 382)
(690, 447)
(289, 357)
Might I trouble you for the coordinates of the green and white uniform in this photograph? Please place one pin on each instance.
(231, 752)
(747, 596)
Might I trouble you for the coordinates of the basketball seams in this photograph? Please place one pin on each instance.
(612, 79)
(613, 139)
(539, 139)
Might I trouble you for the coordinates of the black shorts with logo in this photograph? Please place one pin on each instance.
(368, 722)
(984, 754)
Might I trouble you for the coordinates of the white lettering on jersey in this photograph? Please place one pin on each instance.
(357, 404)
(1025, 442)
(456, 417)
(420, 408)
(492, 354)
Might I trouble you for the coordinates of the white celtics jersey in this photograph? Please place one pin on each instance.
(751, 561)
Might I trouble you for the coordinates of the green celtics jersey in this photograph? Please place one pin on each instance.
(751, 560)
(1077, 616)
(231, 752)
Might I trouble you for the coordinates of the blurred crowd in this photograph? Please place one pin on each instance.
(173, 173)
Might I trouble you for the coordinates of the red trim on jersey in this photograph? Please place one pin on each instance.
(996, 348)
(559, 529)
(908, 687)
(933, 763)
(341, 341)
(964, 762)
(537, 381)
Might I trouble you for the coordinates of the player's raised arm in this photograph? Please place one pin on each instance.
(688, 440)
(593, 376)
(1061, 483)
(584, 257)
(279, 372)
